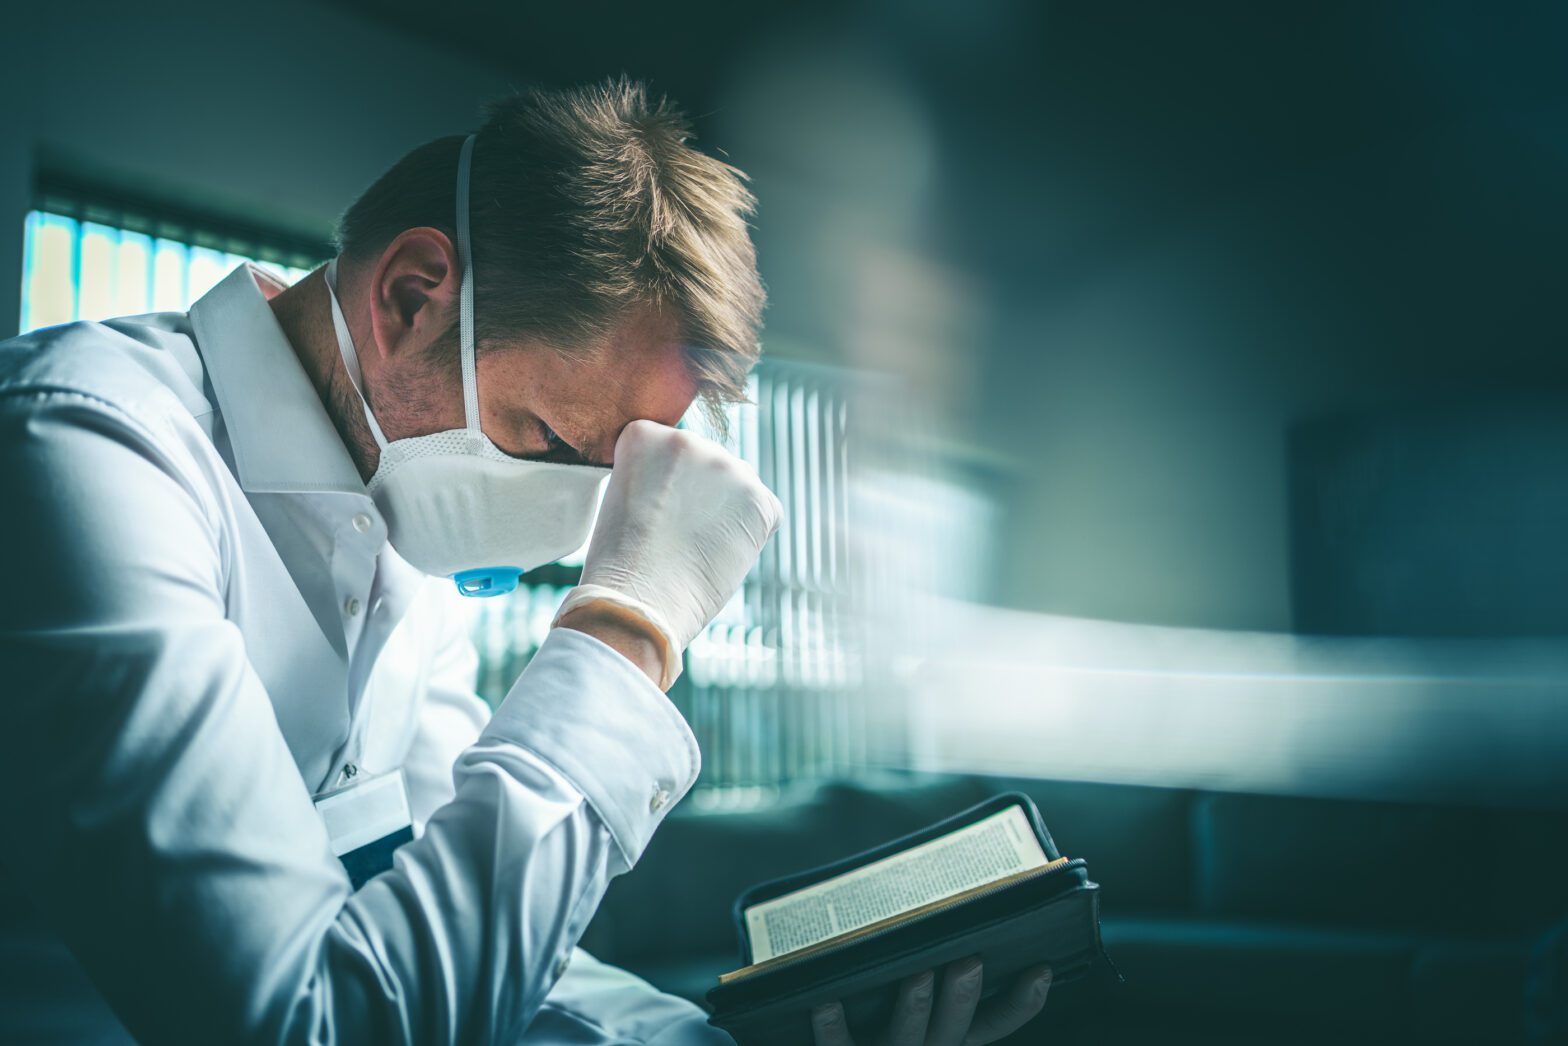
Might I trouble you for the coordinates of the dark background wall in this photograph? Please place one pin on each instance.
(1272, 216)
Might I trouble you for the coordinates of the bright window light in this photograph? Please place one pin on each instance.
(85, 260)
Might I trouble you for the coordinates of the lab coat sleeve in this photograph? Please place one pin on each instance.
(449, 717)
(156, 817)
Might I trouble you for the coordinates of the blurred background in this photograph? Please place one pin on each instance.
(1170, 404)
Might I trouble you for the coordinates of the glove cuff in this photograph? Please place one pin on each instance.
(629, 607)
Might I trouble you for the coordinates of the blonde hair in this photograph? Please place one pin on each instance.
(588, 202)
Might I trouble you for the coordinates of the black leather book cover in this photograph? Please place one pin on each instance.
(1049, 915)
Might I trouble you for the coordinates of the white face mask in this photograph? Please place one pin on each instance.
(454, 503)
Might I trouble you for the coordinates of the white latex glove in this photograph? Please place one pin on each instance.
(681, 524)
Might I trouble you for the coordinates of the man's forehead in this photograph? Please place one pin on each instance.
(639, 372)
(649, 368)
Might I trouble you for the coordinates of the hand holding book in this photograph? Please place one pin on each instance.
(949, 1015)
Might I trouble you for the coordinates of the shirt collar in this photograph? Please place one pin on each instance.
(283, 439)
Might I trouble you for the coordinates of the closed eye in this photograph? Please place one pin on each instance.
(557, 449)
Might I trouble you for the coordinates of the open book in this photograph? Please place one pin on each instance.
(988, 881)
(988, 853)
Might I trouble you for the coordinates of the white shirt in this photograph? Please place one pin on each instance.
(202, 626)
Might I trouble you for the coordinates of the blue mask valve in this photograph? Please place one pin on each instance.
(487, 581)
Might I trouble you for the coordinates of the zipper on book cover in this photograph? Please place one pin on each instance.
(939, 910)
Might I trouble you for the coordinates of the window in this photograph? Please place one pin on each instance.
(89, 256)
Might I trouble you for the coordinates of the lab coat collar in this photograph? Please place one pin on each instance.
(283, 440)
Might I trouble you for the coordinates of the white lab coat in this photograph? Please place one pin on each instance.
(202, 626)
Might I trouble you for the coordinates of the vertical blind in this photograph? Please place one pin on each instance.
(774, 687)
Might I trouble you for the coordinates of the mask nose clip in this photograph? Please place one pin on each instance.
(487, 581)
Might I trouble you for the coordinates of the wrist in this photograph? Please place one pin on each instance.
(630, 611)
(623, 631)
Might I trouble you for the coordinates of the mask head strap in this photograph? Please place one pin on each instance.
(465, 302)
(350, 356)
(465, 314)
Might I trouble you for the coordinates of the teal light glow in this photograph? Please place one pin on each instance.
(85, 270)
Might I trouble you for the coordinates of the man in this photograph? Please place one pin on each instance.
(231, 695)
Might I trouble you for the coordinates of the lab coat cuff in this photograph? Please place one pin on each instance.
(594, 716)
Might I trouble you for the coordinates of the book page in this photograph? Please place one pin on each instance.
(1000, 845)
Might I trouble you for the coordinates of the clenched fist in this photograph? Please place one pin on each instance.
(682, 522)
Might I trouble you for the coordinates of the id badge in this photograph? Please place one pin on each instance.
(366, 821)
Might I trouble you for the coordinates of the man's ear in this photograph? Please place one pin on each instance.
(414, 292)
